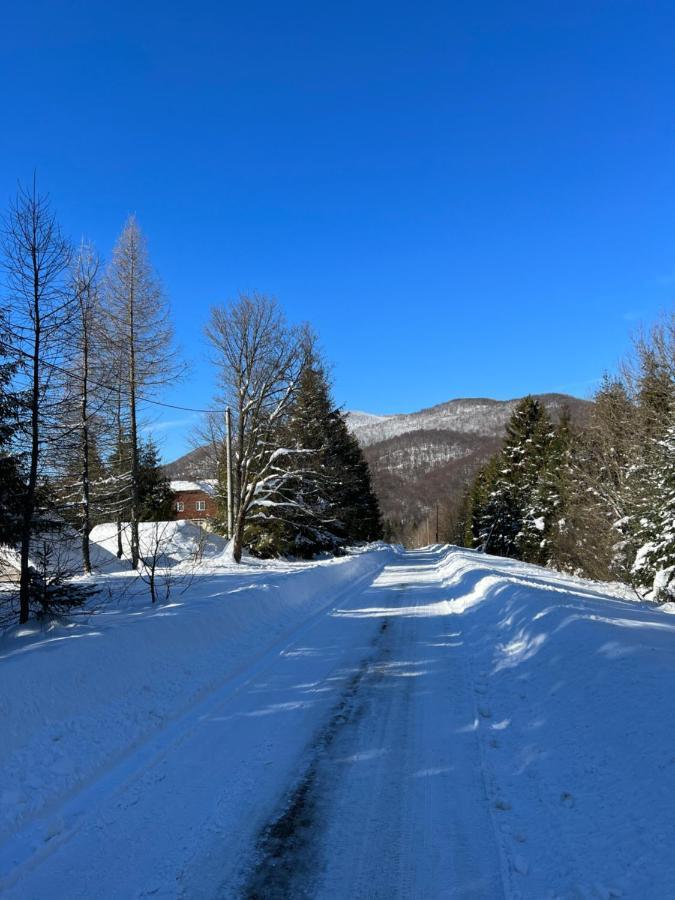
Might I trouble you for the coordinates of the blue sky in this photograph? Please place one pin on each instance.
(465, 199)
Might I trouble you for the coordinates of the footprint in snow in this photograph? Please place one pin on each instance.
(567, 799)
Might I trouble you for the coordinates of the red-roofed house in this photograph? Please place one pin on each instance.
(194, 500)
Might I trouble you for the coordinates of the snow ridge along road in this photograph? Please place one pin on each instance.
(452, 725)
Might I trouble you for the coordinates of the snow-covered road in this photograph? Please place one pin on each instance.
(388, 800)
(432, 731)
(342, 766)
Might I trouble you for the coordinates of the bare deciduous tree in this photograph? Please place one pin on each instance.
(259, 359)
(86, 391)
(141, 339)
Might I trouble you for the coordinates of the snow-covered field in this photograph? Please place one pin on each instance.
(429, 723)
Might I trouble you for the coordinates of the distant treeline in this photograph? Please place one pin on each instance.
(598, 501)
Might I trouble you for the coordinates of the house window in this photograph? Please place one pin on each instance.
(201, 505)
(180, 506)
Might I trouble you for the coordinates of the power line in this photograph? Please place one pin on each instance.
(58, 368)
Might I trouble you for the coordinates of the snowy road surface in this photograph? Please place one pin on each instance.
(423, 736)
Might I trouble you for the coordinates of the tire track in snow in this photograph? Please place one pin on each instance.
(286, 855)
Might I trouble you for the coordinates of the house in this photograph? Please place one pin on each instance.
(194, 500)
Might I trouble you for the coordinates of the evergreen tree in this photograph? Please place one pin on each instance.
(518, 509)
(35, 259)
(476, 500)
(605, 501)
(654, 564)
(325, 499)
(651, 476)
(356, 501)
(562, 490)
(154, 490)
(11, 472)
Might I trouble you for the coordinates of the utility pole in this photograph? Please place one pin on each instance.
(437, 523)
(228, 453)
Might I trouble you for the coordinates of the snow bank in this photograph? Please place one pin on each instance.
(574, 689)
(77, 696)
(178, 542)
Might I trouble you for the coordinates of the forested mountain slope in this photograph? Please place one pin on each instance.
(422, 458)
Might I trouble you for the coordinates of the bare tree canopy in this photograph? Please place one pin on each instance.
(259, 358)
(141, 344)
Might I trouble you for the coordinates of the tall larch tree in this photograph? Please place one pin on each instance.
(141, 336)
(85, 397)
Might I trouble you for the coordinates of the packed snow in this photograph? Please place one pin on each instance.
(430, 723)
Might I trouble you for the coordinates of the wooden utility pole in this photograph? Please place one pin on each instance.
(437, 523)
(228, 452)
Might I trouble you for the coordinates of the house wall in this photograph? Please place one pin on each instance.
(190, 511)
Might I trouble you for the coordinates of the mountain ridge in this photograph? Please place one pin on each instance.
(423, 458)
(479, 415)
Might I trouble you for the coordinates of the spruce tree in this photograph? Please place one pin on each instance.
(325, 498)
(515, 516)
(356, 500)
(654, 564)
(476, 501)
(11, 472)
(154, 491)
(35, 258)
(651, 476)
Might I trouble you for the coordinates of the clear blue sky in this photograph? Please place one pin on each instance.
(465, 199)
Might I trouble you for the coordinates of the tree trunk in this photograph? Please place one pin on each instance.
(86, 517)
(29, 499)
(135, 553)
(238, 537)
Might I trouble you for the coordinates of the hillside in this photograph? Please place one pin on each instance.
(476, 416)
(421, 458)
(428, 457)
